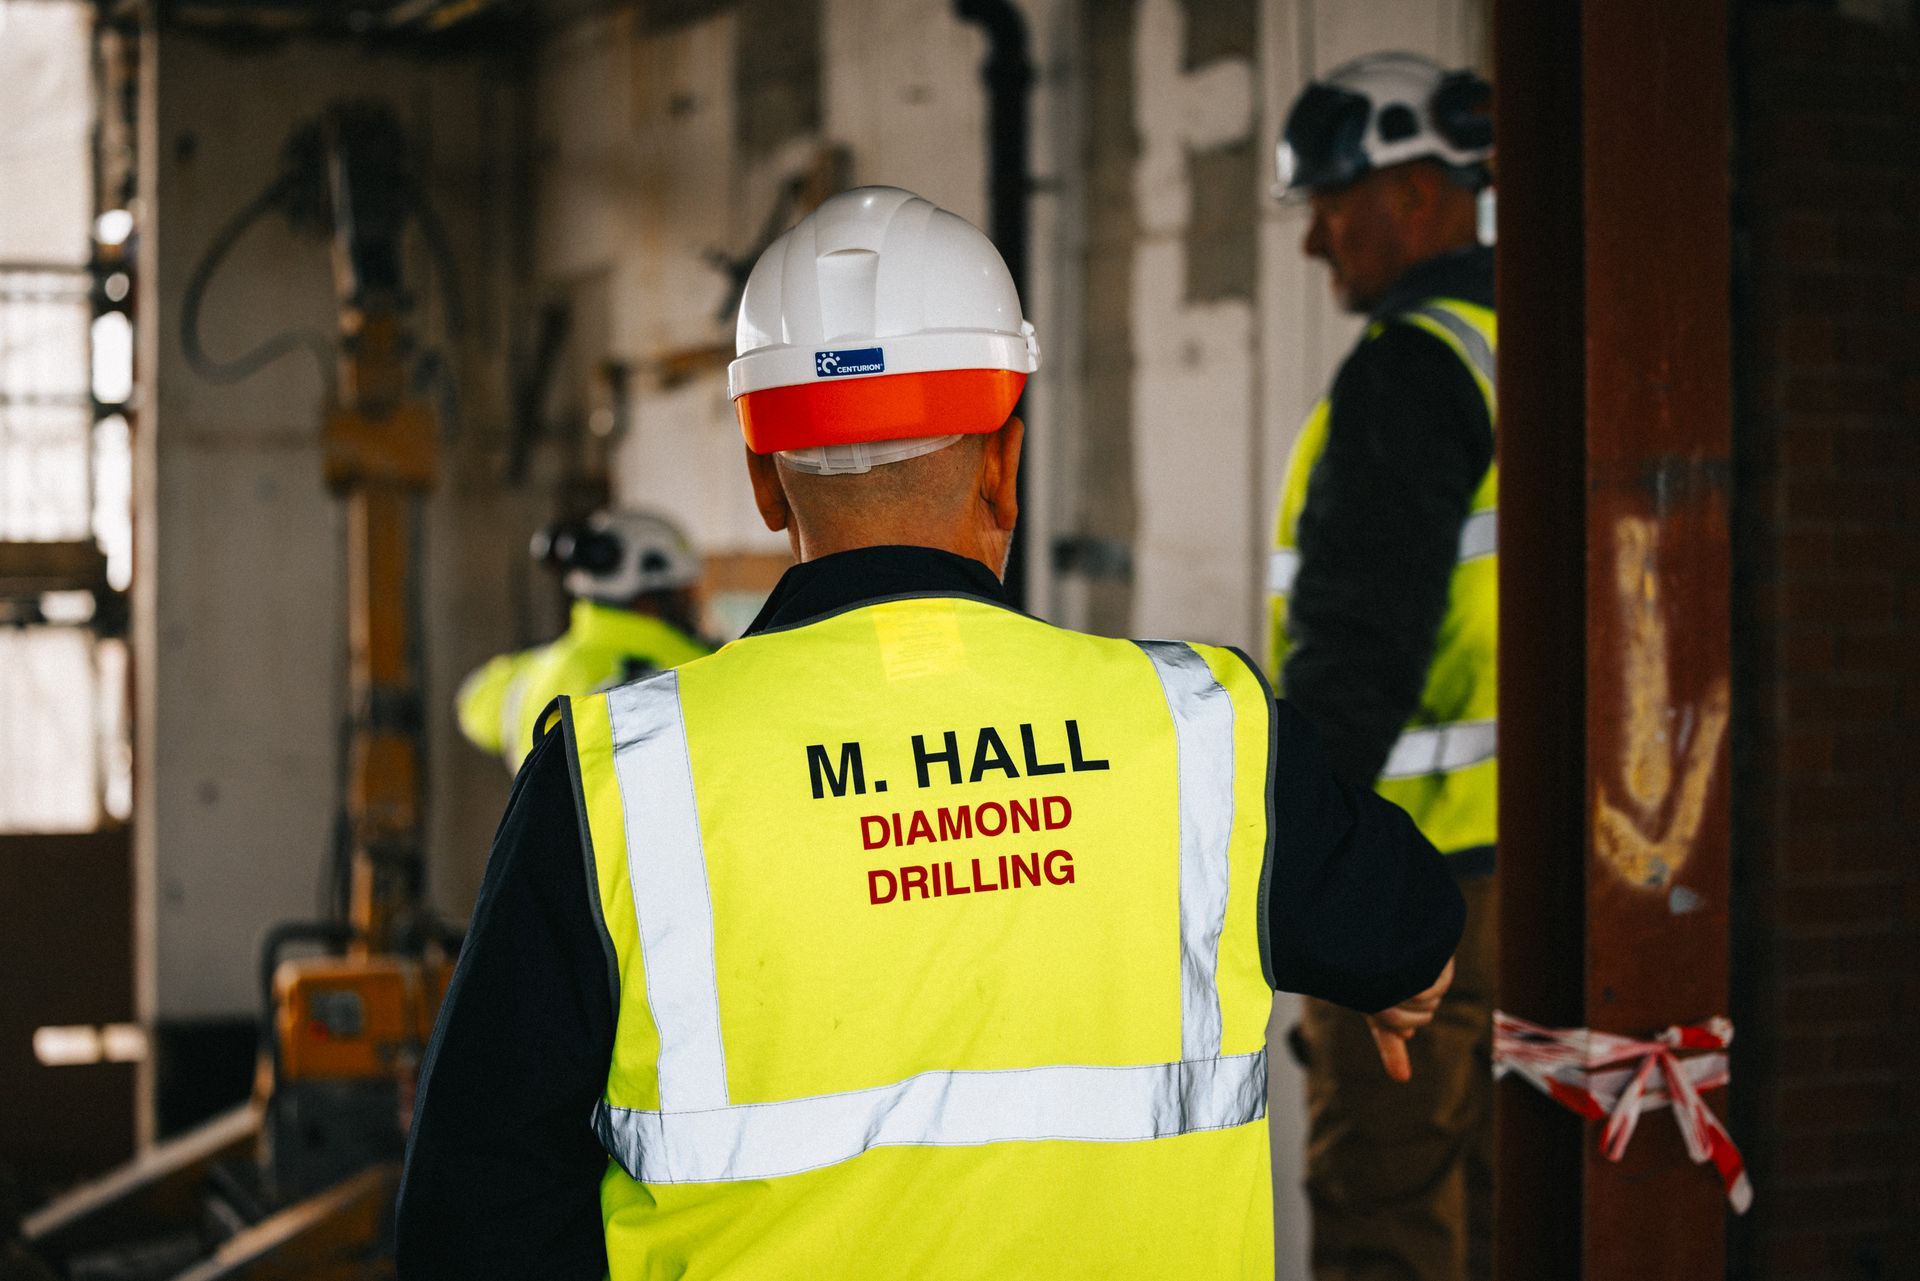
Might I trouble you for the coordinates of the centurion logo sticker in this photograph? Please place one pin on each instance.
(855, 360)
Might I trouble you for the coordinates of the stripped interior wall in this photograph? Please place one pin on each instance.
(239, 628)
(667, 137)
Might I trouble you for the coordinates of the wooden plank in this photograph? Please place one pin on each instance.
(158, 1192)
(338, 1235)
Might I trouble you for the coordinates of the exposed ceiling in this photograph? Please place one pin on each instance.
(445, 26)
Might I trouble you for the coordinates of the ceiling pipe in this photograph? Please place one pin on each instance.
(1008, 75)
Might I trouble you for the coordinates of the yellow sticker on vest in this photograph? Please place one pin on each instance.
(918, 642)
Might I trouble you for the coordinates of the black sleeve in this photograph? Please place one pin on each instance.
(1361, 909)
(1408, 444)
(503, 1170)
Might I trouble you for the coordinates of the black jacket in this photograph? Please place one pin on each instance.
(503, 1170)
(1408, 443)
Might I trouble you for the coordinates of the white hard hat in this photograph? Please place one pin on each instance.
(615, 555)
(1380, 110)
(879, 328)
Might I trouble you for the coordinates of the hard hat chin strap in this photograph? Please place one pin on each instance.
(851, 460)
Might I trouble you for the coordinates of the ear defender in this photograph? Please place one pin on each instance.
(1462, 111)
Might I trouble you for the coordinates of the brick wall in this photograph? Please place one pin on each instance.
(1828, 629)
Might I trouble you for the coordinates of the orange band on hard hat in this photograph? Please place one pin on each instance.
(856, 411)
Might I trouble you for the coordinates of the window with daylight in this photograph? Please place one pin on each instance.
(66, 387)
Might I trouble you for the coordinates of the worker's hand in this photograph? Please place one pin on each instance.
(1394, 1026)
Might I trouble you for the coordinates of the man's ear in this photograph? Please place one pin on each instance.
(1427, 186)
(768, 494)
(1408, 192)
(1000, 472)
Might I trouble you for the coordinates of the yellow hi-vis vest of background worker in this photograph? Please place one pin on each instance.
(1443, 770)
(935, 934)
(499, 705)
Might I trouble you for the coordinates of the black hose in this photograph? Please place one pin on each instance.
(433, 377)
(445, 265)
(1008, 75)
(433, 372)
(232, 371)
(417, 661)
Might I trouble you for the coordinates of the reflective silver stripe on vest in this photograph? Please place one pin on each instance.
(666, 864)
(697, 1136)
(1441, 749)
(1479, 350)
(1480, 535)
(1203, 737)
(937, 1109)
(511, 700)
(1282, 568)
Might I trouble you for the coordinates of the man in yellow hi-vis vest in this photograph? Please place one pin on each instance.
(1383, 588)
(630, 574)
(908, 935)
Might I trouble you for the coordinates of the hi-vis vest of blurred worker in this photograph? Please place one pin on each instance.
(628, 573)
(1443, 769)
(784, 834)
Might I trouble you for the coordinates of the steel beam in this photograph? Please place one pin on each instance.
(1615, 391)
(342, 1234)
(1541, 287)
(157, 1193)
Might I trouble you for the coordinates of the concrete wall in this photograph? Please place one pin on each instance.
(240, 628)
(665, 140)
(1207, 335)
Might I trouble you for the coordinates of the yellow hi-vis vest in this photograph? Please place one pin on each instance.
(936, 940)
(500, 704)
(1444, 768)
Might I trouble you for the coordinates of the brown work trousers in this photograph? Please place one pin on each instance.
(1400, 1177)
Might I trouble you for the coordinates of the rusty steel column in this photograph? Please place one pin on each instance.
(1659, 444)
(1542, 397)
(1614, 806)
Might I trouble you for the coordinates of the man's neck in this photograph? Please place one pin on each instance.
(847, 579)
(1420, 280)
(812, 544)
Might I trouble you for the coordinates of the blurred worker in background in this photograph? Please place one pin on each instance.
(908, 935)
(631, 576)
(1383, 587)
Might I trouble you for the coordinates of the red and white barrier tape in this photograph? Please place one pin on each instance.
(1576, 1067)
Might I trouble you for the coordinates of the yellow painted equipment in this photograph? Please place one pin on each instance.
(353, 1018)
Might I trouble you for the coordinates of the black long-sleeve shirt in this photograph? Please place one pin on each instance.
(503, 1171)
(1409, 441)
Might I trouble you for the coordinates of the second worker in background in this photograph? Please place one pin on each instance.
(1383, 584)
(631, 576)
